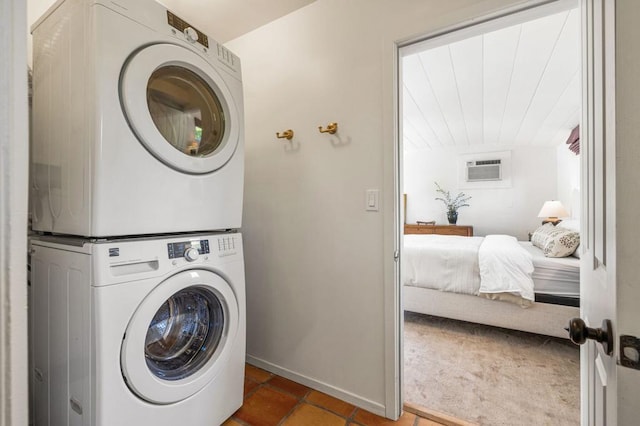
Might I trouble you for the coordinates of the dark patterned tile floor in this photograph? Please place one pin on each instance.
(271, 400)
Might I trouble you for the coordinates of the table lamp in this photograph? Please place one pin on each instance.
(551, 211)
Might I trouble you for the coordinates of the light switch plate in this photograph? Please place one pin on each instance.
(372, 199)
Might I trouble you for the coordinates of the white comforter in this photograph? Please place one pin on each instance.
(505, 267)
(471, 265)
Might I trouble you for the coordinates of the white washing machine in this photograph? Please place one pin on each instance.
(137, 123)
(147, 331)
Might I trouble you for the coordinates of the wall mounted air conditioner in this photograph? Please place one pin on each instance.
(483, 170)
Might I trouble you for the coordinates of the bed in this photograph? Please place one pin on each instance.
(493, 280)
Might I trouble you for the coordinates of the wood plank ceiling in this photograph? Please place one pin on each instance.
(519, 85)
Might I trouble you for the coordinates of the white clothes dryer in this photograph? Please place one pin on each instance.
(137, 123)
(146, 331)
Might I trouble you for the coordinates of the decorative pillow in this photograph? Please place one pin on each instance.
(539, 236)
(572, 225)
(555, 241)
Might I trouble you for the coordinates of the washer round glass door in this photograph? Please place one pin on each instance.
(180, 108)
(184, 333)
(179, 337)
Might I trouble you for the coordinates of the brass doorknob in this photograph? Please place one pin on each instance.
(579, 333)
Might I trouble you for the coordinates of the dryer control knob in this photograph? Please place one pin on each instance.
(191, 34)
(191, 254)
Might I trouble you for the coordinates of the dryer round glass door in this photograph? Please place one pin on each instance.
(180, 108)
(180, 337)
(185, 110)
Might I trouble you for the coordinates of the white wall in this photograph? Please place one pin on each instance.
(319, 267)
(493, 210)
(569, 180)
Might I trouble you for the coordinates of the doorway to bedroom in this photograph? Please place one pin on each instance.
(490, 174)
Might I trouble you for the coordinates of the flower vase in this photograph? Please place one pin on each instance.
(452, 217)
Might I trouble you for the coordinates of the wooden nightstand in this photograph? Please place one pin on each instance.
(463, 230)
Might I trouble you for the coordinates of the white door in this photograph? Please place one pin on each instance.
(598, 291)
(180, 108)
(609, 390)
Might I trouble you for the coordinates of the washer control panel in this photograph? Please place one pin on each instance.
(227, 244)
(190, 250)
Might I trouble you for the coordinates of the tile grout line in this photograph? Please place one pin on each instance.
(416, 421)
(286, 392)
(252, 391)
(247, 395)
(300, 401)
(327, 409)
(351, 418)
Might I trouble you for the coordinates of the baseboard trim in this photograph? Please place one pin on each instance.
(346, 396)
(436, 416)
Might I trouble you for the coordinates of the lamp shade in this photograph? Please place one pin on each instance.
(553, 209)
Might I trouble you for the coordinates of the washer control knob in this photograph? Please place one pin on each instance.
(191, 34)
(191, 254)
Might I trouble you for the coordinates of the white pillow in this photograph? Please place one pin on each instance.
(555, 241)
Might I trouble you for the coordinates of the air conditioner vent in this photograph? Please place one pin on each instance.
(486, 162)
(484, 170)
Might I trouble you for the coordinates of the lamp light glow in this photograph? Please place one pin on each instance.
(552, 211)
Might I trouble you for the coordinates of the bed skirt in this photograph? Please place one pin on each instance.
(539, 318)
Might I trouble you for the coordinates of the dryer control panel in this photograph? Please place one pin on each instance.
(179, 249)
(192, 33)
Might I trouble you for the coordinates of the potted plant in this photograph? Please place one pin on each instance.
(452, 203)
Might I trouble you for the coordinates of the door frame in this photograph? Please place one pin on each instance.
(446, 35)
(13, 213)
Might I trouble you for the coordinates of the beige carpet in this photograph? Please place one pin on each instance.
(490, 376)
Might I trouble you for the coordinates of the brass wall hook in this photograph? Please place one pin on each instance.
(331, 128)
(287, 134)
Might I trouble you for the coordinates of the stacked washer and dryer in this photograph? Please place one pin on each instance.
(137, 271)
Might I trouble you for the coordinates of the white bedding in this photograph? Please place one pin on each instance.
(454, 264)
(443, 262)
(505, 267)
(558, 276)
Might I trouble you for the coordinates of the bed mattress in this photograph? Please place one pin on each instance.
(555, 276)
